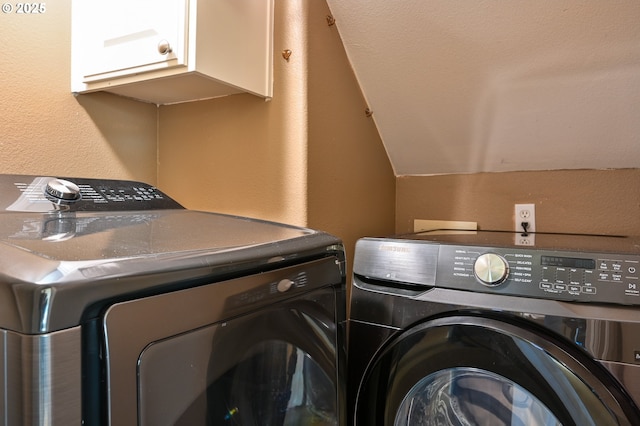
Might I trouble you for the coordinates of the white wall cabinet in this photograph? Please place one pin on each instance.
(170, 51)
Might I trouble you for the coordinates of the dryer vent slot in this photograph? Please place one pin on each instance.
(391, 287)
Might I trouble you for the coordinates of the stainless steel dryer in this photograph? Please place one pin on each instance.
(120, 307)
(471, 329)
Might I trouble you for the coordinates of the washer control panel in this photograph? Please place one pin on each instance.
(601, 277)
(567, 267)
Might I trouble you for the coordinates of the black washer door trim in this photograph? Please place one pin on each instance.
(576, 389)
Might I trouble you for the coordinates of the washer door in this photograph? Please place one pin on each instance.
(472, 370)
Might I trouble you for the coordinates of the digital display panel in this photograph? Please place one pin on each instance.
(568, 262)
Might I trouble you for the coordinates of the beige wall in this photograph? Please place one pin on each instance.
(309, 157)
(350, 180)
(576, 201)
(44, 129)
(240, 154)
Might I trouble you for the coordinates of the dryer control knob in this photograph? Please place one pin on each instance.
(491, 269)
(63, 190)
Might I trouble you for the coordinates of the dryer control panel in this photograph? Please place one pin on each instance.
(25, 193)
(609, 275)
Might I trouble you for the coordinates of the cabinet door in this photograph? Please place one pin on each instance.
(125, 37)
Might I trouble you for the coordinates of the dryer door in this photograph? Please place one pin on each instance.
(273, 367)
(472, 370)
(264, 349)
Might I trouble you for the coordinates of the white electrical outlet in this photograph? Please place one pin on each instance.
(525, 213)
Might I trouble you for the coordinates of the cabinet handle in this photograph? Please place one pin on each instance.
(164, 48)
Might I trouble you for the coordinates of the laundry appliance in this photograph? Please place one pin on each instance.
(471, 328)
(120, 307)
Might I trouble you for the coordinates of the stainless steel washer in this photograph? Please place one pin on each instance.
(119, 306)
(469, 328)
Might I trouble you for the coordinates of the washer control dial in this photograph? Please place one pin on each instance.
(63, 190)
(491, 269)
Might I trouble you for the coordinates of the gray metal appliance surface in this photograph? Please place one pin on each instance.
(469, 328)
(118, 306)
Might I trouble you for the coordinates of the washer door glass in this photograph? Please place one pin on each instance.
(470, 396)
(498, 371)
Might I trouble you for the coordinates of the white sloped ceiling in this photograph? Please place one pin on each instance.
(460, 86)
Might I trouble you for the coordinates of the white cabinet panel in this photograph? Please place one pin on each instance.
(168, 51)
(128, 33)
